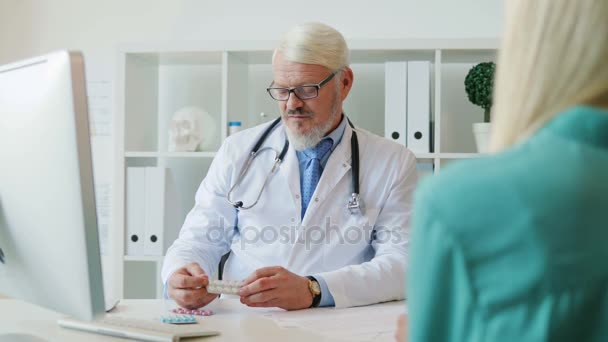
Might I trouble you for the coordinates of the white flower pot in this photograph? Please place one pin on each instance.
(482, 136)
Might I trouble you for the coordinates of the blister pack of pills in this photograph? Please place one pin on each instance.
(224, 286)
(183, 311)
(178, 319)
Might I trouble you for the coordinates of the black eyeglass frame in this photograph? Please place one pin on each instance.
(293, 89)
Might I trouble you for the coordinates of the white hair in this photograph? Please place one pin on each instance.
(315, 43)
(554, 55)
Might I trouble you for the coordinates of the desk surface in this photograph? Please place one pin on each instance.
(235, 321)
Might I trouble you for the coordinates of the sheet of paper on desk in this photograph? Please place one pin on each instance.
(366, 323)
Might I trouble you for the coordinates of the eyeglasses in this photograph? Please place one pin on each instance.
(303, 92)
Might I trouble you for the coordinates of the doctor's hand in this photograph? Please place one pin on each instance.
(187, 286)
(276, 287)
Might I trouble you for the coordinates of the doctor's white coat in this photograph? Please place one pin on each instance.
(362, 257)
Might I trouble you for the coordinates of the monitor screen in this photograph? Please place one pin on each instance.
(48, 226)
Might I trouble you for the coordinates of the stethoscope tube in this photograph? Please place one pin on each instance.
(353, 206)
(254, 151)
(354, 146)
(262, 138)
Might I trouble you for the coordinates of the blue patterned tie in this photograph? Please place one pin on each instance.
(312, 173)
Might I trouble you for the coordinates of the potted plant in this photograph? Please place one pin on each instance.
(479, 84)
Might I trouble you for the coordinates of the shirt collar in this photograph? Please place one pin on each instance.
(336, 134)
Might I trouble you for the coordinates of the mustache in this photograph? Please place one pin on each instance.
(299, 111)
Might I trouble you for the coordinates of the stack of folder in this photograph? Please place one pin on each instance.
(408, 104)
(152, 211)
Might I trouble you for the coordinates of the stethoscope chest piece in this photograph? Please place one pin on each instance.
(354, 206)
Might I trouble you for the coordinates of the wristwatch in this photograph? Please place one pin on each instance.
(315, 290)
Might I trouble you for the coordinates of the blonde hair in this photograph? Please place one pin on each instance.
(315, 43)
(554, 55)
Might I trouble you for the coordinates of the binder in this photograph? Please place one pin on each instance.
(162, 221)
(135, 211)
(395, 102)
(419, 106)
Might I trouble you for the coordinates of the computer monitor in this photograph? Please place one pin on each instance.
(48, 226)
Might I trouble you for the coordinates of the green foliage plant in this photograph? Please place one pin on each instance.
(479, 84)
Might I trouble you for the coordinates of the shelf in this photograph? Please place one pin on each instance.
(459, 155)
(155, 258)
(188, 154)
(179, 58)
(426, 155)
(424, 44)
(468, 56)
(228, 80)
(447, 155)
(143, 154)
(382, 56)
(247, 46)
(137, 154)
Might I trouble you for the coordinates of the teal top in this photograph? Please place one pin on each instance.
(514, 247)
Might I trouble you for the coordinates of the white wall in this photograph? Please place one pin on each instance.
(29, 27)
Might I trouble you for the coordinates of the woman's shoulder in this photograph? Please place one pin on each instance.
(478, 189)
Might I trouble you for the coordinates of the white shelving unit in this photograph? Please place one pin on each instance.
(228, 79)
(134, 154)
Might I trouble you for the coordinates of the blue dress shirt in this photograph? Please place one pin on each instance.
(336, 137)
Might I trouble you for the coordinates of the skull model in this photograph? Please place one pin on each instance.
(190, 128)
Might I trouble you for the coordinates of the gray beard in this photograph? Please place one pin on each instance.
(308, 140)
(304, 141)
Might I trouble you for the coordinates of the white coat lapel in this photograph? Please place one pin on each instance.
(291, 173)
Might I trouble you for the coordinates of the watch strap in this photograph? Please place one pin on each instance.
(316, 298)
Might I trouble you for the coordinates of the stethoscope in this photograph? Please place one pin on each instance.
(354, 203)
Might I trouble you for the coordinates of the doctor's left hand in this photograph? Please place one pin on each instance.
(276, 287)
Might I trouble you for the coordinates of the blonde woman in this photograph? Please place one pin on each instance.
(514, 247)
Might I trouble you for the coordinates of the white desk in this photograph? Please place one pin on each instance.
(235, 321)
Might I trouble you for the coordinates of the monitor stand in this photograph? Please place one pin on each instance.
(20, 338)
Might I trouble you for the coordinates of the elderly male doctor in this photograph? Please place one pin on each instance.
(299, 246)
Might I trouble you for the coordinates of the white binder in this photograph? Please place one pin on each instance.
(162, 210)
(419, 106)
(135, 211)
(395, 101)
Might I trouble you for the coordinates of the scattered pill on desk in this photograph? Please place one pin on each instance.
(193, 312)
(182, 319)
